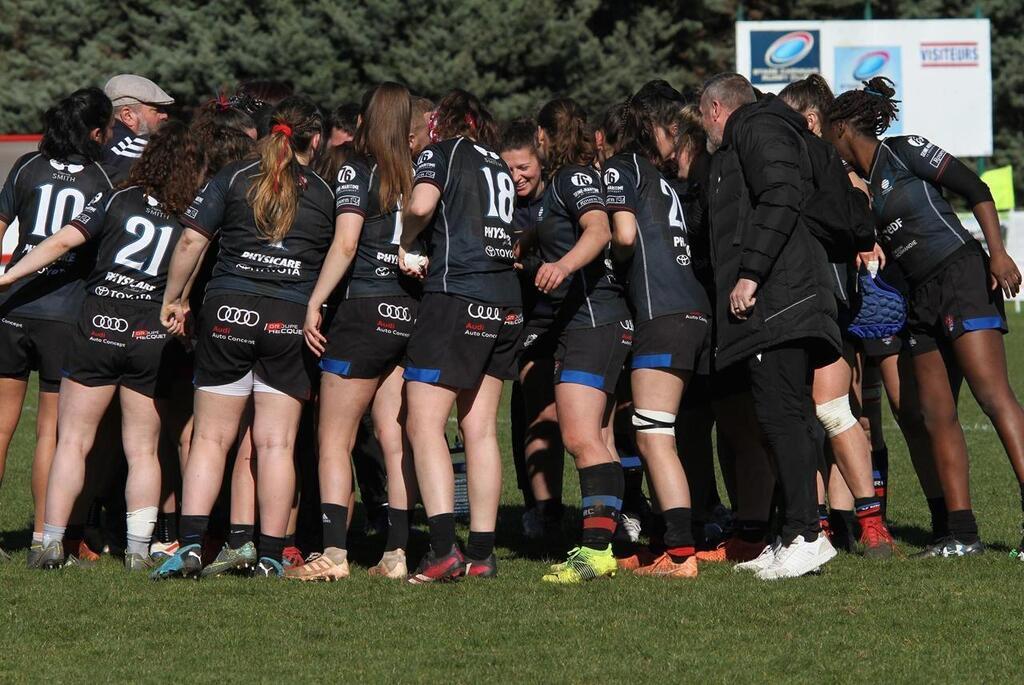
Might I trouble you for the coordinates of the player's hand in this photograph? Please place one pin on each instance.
(412, 263)
(741, 299)
(315, 340)
(1004, 274)
(550, 275)
(172, 316)
(877, 254)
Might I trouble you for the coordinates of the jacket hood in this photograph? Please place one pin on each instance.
(768, 104)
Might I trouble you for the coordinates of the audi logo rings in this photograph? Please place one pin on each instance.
(391, 311)
(243, 317)
(480, 311)
(110, 323)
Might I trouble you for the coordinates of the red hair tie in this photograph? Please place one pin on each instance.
(282, 128)
(470, 121)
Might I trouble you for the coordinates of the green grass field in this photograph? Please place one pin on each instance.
(897, 621)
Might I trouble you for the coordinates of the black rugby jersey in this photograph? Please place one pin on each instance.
(661, 276)
(122, 151)
(916, 225)
(246, 261)
(374, 271)
(44, 195)
(592, 296)
(136, 238)
(470, 235)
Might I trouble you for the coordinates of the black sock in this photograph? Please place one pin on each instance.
(843, 525)
(479, 545)
(193, 528)
(166, 526)
(940, 517)
(822, 512)
(963, 527)
(880, 474)
(289, 540)
(335, 521)
(632, 484)
(272, 547)
(867, 507)
(1022, 497)
(678, 534)
(240, 533)
(74, 532)
(601, 487)
(752, 531)
(398, 529)
(550, 509)
(442, 533)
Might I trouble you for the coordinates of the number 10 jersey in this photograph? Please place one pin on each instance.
(43, 195)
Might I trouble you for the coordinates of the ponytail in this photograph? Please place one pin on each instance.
(570, 139)
(869, 111)
(629, 127)
(811, 93)
(274, 196)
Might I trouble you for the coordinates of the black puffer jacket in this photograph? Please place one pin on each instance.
(758, 181)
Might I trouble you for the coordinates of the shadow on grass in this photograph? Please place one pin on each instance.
(16, 540)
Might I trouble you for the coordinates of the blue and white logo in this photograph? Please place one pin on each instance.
(857, 64)
(778, 57)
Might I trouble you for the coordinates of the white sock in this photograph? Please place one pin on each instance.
(53, 533)
(37, 538)
(141, 523)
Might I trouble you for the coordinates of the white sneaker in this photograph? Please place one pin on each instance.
(799, 558)
(630, 526)
(763, 560)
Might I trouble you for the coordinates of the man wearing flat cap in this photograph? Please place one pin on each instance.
(138, 113)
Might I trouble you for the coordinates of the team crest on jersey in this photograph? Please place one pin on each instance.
(916, 141)
(96, 198)
(346, 174)
(152, 201)
(581, 179)
(69, 168)
(611, 176)
(425, 156)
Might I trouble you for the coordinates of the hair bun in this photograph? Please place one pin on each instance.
(880, 86)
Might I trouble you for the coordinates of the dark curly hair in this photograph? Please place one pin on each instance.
(67, 126)
(869, 111)
(169, 168)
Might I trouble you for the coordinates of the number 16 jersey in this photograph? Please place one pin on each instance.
(470, 236)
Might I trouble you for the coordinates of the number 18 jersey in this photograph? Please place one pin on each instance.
(136, 238)
(470, 236)
(43, 195)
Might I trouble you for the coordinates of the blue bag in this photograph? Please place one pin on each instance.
(882, 311)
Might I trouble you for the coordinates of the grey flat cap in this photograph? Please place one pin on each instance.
(128, 89)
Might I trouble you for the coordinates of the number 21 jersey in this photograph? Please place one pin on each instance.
(136, 238)
(470, 236)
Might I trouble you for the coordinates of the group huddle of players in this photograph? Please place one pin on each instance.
(251, 285)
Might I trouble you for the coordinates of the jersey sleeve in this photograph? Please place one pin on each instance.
(581, 191)
(930, 162)
(90, 221)
(9, 195)
(620, 182)
(432, 167)
(352, 190)
(206, 212)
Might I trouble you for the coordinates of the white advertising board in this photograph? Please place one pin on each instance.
(942, 69)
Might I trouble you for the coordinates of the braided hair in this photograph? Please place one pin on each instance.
(871, 110)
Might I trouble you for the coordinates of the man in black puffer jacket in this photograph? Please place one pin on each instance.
(775, 313)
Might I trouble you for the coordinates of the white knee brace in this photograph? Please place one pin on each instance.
(835, 416)
(655, 422)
